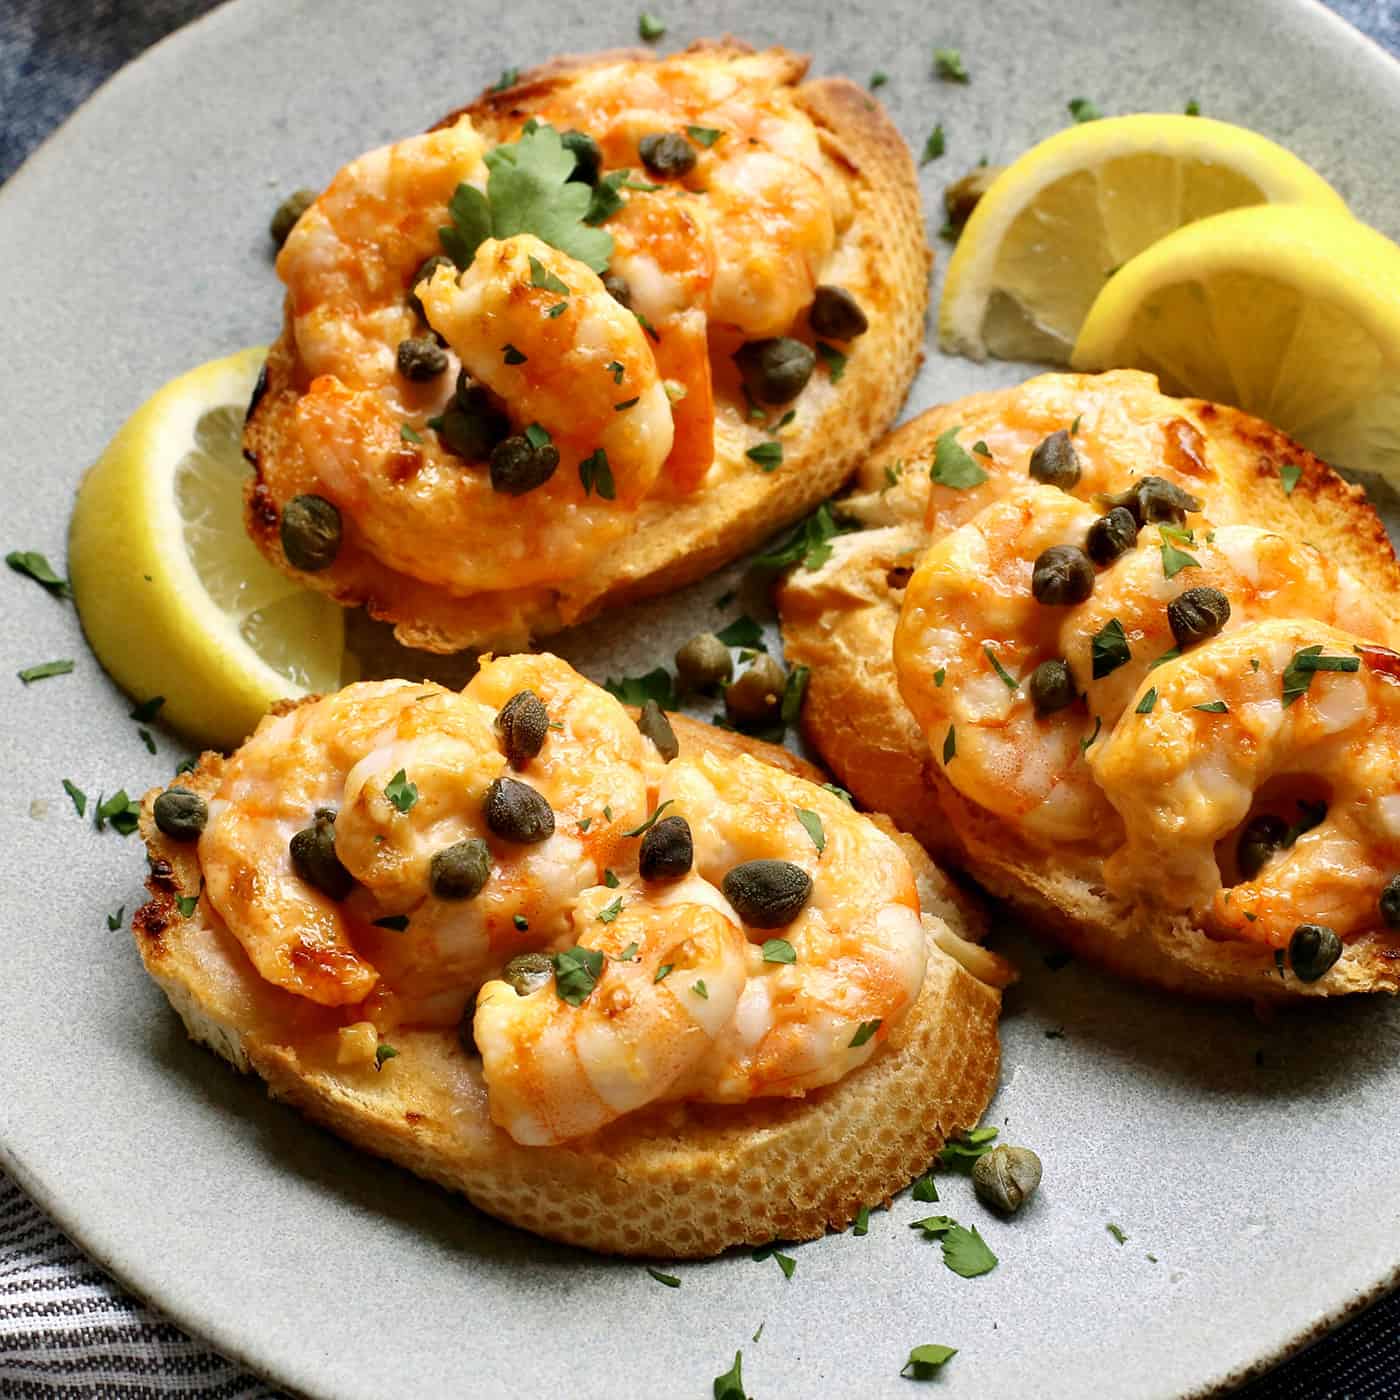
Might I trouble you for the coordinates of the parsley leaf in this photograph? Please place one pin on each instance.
(768, 455)
(864, 1031)
(699, 988)
(34, 565)
(812, 824)
(114, 921)
(45, 669)
(1109, 649)
(933, 1225)
(670, 1280)
(953, 465)
(809, 544)
(409, 434)
(703, 135)
(512, 356)
(594, 472)
(383, 1052)
(508, 79)
(1174, 560)
(925, 1361)
(730, 1386)
(962, 1151)
(544, 279)
(470, 227)
(147, 710)
(878, 80)
(576, 973)
(862, 1222)
(1165, 657)
(650, 27)
(939, 675)
(924, 1189)
(833, 359)
(1213, 707)
(120, 811)
(520, 921)
(1074, 427)
(651, 820)
(948, 64)
(396, 923)
(1290, 475)
(839, 792)
(794, 693)
(1086, 744)
(1008, 680)
(742, 632)
(663, 972)
(402, 793)
(78, 796)
(1192, 108)
(1298, 674)
(611, 881)
(779, 950)
(1144, 706)
(950, 746)
(1083, 109)
(608, 914)
(637, 690)
(188, 903)
(1116, 1233)
(934, 146)
(966, 1253)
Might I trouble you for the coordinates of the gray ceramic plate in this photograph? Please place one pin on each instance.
(1249, 1165)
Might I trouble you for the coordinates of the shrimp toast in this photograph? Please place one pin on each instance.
(726, 1102)
(648, 450)
(926, 635)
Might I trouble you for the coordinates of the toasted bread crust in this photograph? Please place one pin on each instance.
(681, 1180)
(674, 543)
(840, 621)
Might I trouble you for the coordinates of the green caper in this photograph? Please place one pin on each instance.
(758, 694)
(1111, 535)
(288, 212)
(1062, 576)
(963, 196)
(667, 154)
(775, 370)
(314, 856)
(472, 422)
(420, 358)
(524, 725)
(181, 814)
(1390, 902)
(767, 893)
(1153, 501)
(1052, 686)
(425, 271)
(836, 314)
(516, 812)
(655, 726)
(528, 972)
(460, 871)
(668, 850)
(1312, 950)
(618, 288)
(588, 155)
(704, 662)
(1262, 837)
(310, 533)
(518, 466)
(1055, 462)
(1197, 614)
(1006, 1177)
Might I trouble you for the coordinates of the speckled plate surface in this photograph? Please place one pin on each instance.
(1248, 1165)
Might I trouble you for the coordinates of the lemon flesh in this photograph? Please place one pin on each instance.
(1057, 224)
(174, 597)
(1290, 314)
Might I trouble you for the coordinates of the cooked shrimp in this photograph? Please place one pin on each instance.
(674, 967)
(1183, 779)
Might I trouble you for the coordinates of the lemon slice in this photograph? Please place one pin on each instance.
(174, 597)
(1291, 314)
(1056, 224)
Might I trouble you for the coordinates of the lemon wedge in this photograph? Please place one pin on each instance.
(1291, 314)
(174, 597)
(1058, 222)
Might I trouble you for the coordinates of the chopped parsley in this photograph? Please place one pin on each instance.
(965, 1149)
(924, 1188)
(651, 820)
(188, 903)
(934, 146)
(730, 1386)
(966, 1253)
(862, 1222)
(670, 1280)
(1165, 657)
(512, 356)
(558, 309)
(833, 359)
(981, 449)
(1116, 1233)
(663, 972)
(940, 675)
(78, 797)
(650, 27)
(1213, 707)
(33, 565)
(698, 987)
(742, 632)
(1175, 559)
(768, 455)
(409, 434)
(794, 693)
(537, 435)
(382, 1052)
(704, 135)
(1007, 679)
(1074, 427)
(605, 200)
(402, 793)
(926, 1361)
(118, 811)
(839, 792)
(595, 474)
(864, 1031)
(1083, 109)
(45, 669)
(576, 973)
(933, 1225)
(950, 746)
(1298, 674)
(1192, 108)
(656, 685)
(953, 465)
(878, 79)
(146, 739)
(611, 880)
(1290, 475)
(396, 923)
(608, 914)
(544, 279)
(1109, 649)
(147, 710)
(520, 921)
(948, 64)
(779, 950)
(584, 823)
(1086, 744)
(812, 825)
(808, 545)
(508, 79)
(614, 368)
(1144, 706)
(114, 921)
(626, 404)
(629, 953)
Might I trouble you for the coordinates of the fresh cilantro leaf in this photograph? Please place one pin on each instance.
(924, 1189)
(651, 820)
(950, 745)
(605, 201)
(1290, 475)
(1192, 108)
(409, 434)
(608, 914)
(730, 1386)
(934, 146)
(1174, 559)
(809, 544)
(78, 796)
(45, 669)
(397, 923)
(119, 811)
(878, 79)
(595, 474)
(544, 279)
(840, 792)
(1298, 674)
(508, 79)
(948, 64)
(864, 1031)
(1213, 707)
(670, 1280)
(779, 950)
(933, 1225)
(576, 973)
(34, 565)
(925, 1361)
(794, 693)
(833, 359)
(1165, 657)
(512, 356)
(663, 972)
(1116, 1233)
(1086, 744)
(1007, 679)
(1082, 109)
(812, 824)
(402, 793)
(382, 1053)
(703, 135)
(637, 690)
(114, 921)
(768, 455)
(650, 28)
(147, 710)
(1144, 706)
(965, 1252)
(470, 226)
(1109, 649)
(953, 465)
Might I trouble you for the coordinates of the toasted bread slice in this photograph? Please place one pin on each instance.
(881, 256)
(840, 619)
(682, 1180)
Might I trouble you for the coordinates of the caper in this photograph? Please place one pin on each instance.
(1261, 838)
(516, 812)
(1312, 950)
(1111, 535)
(667, 153)
(775, 370)
(655, 726)
(668, 851)
(460, 871)
(1052, 686)
(1390, 902)
(962, 196)
(1062, 576)
(1197, 614)
(588, 155)
(288, 212)
(181, 814)
(836, 314)
(314, 857)
(524, 725)
(420, 358)
(1153, 500)
(528, 972)
(1006, 1177)
(757, 694)
(767, 893)
(518, 466)
(425, 271)
(1055, 462)
(310, 533)
(472, 422)
(704, 662)
(618, 288)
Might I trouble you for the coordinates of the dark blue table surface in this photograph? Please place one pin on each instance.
(53, 53)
